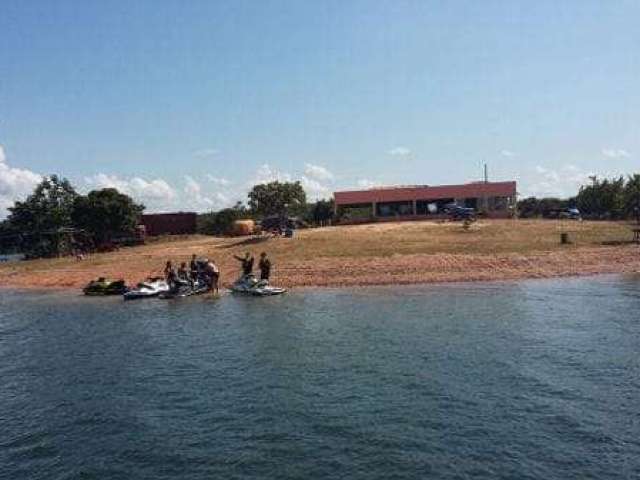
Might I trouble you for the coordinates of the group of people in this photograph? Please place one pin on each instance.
(208, 272)
(248, 261)
(199, 271)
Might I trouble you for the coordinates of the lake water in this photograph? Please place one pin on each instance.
(532, 379)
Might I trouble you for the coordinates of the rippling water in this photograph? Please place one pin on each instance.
(536, 379)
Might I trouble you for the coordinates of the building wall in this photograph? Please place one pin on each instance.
(492, 198)
(180, 223)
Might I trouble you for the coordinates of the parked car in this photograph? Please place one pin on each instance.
(277, 222)
(571, 214)
(456, 212)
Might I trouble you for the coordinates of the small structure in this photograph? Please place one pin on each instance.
(493, 199)
(179, 223)
(243, 227)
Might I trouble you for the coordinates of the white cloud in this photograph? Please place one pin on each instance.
(399, 152)
(159, 196)
(314, 189)
(15, 183)
(507, 153)
(194, 197)
(191, 187)
(314, 180)
(562, 182)
(205, 152)
(615, 153)
(366, 183)
(267, 174)
(137, 187)
(317, 172)
(222, 182)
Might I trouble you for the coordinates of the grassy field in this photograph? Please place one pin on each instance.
(488, 236)
(335, 250)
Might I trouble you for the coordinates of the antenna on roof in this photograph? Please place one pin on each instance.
(486, 174)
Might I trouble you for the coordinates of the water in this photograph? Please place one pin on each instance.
(535, 379)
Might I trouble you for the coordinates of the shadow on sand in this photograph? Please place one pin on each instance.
(248, 241)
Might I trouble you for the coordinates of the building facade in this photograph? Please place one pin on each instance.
(180, 223)
(494, 199)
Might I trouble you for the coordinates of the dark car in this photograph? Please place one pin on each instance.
(570, 214)
(277, 222)
(456, 212)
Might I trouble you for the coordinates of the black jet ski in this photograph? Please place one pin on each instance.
(185, 288)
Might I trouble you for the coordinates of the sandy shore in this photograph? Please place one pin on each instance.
(390, 254)
(413, 269)
(393, 270)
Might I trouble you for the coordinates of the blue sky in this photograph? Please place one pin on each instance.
(185, 104)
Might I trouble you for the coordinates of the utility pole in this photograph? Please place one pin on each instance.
(485, 201)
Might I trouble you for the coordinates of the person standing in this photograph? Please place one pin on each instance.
(183, 274)
(213, 274)
(169, 272)
(193, 268)
(247, 263)
(265, 266)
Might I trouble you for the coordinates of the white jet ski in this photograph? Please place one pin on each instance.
(250, 285)
(152, 287)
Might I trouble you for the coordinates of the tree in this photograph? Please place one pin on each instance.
(277, 198)
(602, 199)
(321, 212)
(48, 208)
(106, 213)
(41, 216)
(632, 197)
(532, 207)
(221, 223)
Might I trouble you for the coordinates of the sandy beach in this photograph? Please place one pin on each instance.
(376, 254)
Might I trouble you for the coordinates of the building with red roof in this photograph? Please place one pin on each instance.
(494, 199)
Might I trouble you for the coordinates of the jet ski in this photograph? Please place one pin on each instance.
(184, 288)
(102, 286)
(250, 285)
(152, 287)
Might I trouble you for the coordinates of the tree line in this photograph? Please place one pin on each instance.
(607, 199)
(40, 225)
(282, 199)
(56, 219)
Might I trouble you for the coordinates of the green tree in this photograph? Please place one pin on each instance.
(632, 197)
(48, 208)
(41, 216)
(602, 199)
(221, 222)
(321, 211)
(533, 207)
(276, 198)
(106, 213)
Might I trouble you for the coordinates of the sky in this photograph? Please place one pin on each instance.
(185, 105)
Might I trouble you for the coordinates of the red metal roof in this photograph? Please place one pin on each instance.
(425, 192)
